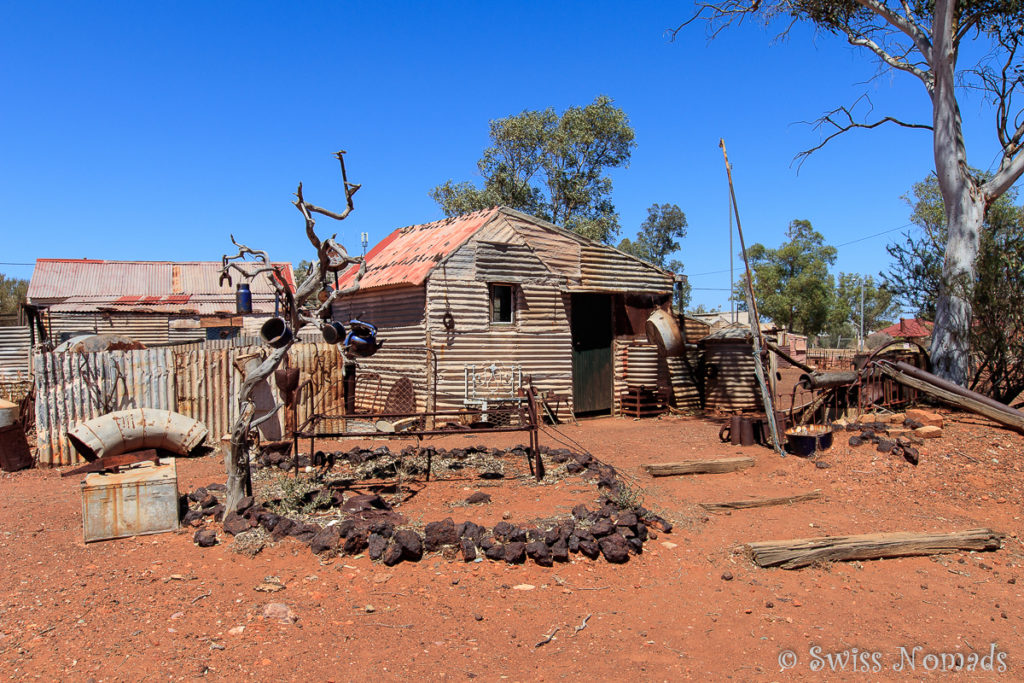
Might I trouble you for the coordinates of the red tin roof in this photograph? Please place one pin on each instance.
(910, 328)
(407, 255)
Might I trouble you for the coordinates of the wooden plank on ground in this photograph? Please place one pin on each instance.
(761, 502)
(701, 466)
(801, 552)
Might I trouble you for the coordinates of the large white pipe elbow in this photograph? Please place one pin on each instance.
(137, 429)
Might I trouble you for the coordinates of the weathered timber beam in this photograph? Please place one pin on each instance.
(703, 466)
(761, 502)
(802, 552)
(1001, 416)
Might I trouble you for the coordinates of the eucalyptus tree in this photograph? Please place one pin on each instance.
(922, 39)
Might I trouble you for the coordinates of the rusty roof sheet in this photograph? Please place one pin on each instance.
(909, 327)
(407, 255)
(159, 280)
(195, 305)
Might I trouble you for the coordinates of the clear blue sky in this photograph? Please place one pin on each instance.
(140, 130)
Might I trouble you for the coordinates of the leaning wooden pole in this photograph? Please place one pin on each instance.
(755, 323)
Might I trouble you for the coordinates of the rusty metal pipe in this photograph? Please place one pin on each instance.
(827, 380)
(137, 429)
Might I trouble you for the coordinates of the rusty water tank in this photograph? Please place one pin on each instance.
(663, 330)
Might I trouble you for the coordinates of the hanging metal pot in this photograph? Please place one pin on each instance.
(333, 332)
(275, 332)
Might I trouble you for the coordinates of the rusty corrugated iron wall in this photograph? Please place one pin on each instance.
(198, 381)
(15, 344)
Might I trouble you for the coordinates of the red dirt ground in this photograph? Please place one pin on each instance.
(160, 608)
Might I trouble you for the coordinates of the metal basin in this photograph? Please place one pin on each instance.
(806, 440)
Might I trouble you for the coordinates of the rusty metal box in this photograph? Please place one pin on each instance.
(142, 500)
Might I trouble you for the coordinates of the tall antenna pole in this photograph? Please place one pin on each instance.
(755, 322)
(732, 260)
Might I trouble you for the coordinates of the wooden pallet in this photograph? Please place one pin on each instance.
(642, 402)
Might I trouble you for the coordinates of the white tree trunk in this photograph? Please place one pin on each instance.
(964, 206)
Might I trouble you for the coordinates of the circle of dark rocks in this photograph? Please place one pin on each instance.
(613, 530)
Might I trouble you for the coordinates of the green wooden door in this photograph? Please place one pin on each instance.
(592, 353)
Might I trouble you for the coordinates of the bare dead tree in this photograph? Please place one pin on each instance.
(331, 257)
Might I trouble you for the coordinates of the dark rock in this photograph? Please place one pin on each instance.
(503, 530)
(478, 498)
(602, 527)
(468, 550)
(641, 532)
(580, 511)
(356, 542)
(492, 474)
(305, 533)
(885, 445)
(495, 552)
(393, 554)
(216, 487)
(636, 546)
(627, 519)
(822, 465)
(253, 513)
(244, 505)
(382, 527)
(515, 552)
(607, 479)
(660, 523)
(487, 542)
(856, 441)
(436, 535)
(539, 552)
(346, 527)
(208, 501)
(552, 535)
(614, 548)
(573, 543)
(326, 539)
(192, 516)
(235, 523)
(583, 458)
(268, 520)
(625, 532)
(912, 424)
(867, 434)
(560, 455)
(283, 528)
(376, 545)
(519, 535)
(411, 544)
(473, 531)
(560, 551)
(853, 427)
(216, 512)
(574, 468)
(198, 495)
(337, 498)
(727, 576)
(287, 464)
(205, 538)
(589, 547)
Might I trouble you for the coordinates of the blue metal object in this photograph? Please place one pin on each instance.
(361, 339)
(243, 299)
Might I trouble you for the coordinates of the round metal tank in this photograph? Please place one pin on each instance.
(664, 331)
(642, 366)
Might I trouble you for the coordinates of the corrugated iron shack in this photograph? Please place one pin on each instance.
(154, 302)
(498, 293)
(730, 382)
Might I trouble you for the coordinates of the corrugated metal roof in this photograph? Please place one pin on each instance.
(910, 328)
(209, 304)
(407, 255)
(131, 283)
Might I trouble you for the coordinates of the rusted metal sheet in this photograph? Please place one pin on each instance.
(109, 281)
(15, 344)
(143, 500)
(137, 429)
(604, 269)
(558, 250)
(407, 255)
(731, 385)
(74, 387)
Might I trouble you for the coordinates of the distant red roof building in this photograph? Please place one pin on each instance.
(909, 328)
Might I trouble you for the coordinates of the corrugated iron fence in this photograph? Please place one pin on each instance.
(14, 347)
(192, 379)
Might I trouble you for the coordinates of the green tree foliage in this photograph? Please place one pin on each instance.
(996, 295)
(551, 166)
(880, 307)
(659, 237)
(12, 294)
(792, 284)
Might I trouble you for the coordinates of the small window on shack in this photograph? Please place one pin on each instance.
(502, 304)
